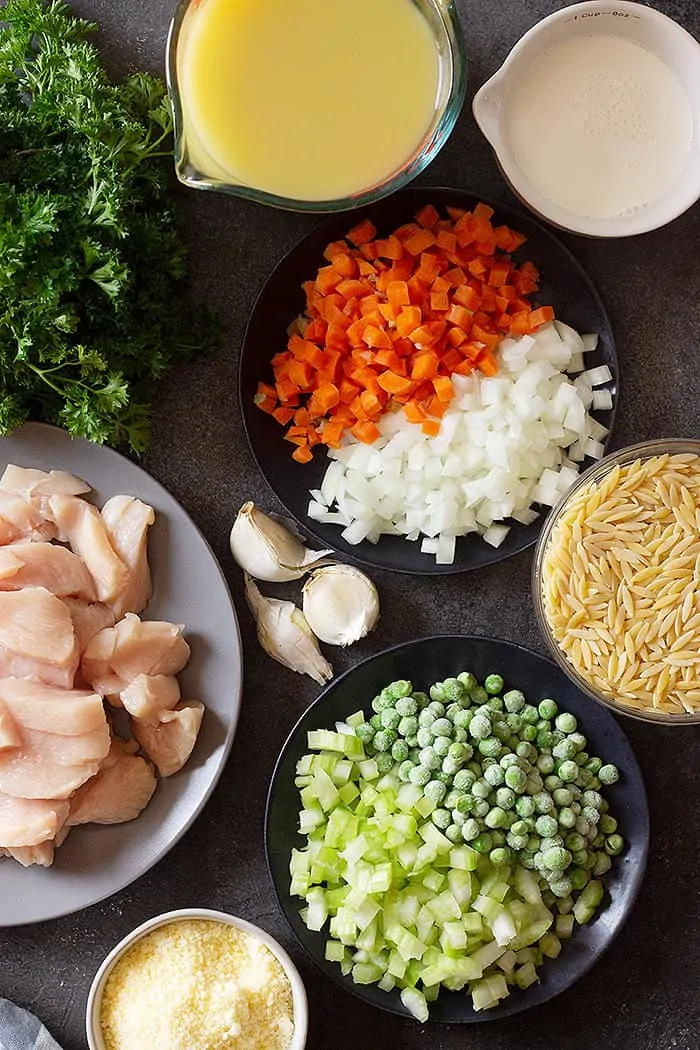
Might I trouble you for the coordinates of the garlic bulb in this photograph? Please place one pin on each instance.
(340, 603)
(266, 550)
(284, 633)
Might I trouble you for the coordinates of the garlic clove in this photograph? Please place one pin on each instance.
(286, 636)
(266, 550)
(340, 603)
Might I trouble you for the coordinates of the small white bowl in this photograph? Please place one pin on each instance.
(300, 1010)
(634, 22)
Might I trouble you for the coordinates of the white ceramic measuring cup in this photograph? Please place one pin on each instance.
(634, 22)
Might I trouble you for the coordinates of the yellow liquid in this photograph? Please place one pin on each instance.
(307, 99)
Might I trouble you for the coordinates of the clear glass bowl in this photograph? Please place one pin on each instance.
(596, 473)
(442, 18)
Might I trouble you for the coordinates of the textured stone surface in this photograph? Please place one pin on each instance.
(643, 993)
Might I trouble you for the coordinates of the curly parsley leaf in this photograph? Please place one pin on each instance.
(92, 260)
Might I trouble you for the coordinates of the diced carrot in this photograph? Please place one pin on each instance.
(541, 316)
(327, 396)
(431, 427)
(391, 248)
(397, 293)
(393, 383)
(267, 391)
(452, 359)
(365, 431)
(425, 366)
(287, 391)
(447, 241)
(414, 412)
(283, 415)
(465, 368)
(419, 241)
(348, 390)
(389, 312)
(335, 248)
(408, 320)
(455, 276)
(303, 454)
(332, 433)
(455, 213)
(266, 404)
(363, 233)
(302, 417)
(388, 359)
(444, 390)
(487, 364)
(353, 287)
(439, 301)
(456, 336)
(436, 407)
(371, 404)
(427, 216)
(460, 316)
(489, 339)
(483, 211)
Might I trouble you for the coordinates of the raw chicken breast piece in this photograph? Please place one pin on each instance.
(28, 822)
(46, 565)
(169, 741)
(9, 730)
(64, 712)
(41, 855)
(81, 526)
(128, 520)
(119, 792)
(37, 637)
(88, 619)
(28, 481)
(20, 518)
(26, 773)
(147, 695)
(117, 655)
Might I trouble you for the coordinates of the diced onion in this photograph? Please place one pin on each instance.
(505, 443)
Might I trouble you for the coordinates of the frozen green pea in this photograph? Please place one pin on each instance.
(452, 689)
(408, 726)
(481, 789)
(568, 771)
(461, 736)
(544, 804)
(525, 806)
(479, 695)
(493, 683)
(545, 764)
(552, 783)
(385, 761)
(564, 750)
(463, 780)
(528, 733)
(565, 722)
(421, 698)
(404, 771)
(514, 700)
(464, 804)
(546, 825)
(470, 829)
(454, 833)
(441, 745)
(547, 708)
(495, 704)
(527, 751)
(602, 864)
(467, 680)
(480, 727)
(494, 775)
(441, 818)
(530, 715)
(579, 742)
(514, 723)
(591, 814)
(441, 727)
(426, 718)
(516, 779)
(505, 798)
(383, 739)
(562, 796)
(593, 766)
(376, 722)
(450, 766)
(463, 718)
(437, 708)
(429, 759)
(500, 856)
(614, 845)
(607, 824)
(420, 775)
(436, 692)
(557, 858)
(544, 740)
(608, 774)
(561, 887)
(481, 807)
(406, 705)
(490, 747)
(579, 878)
(365, 732)
(400, 688)
(516, 842)
(424, 737)
(399, 750)
(458, 818)
(592, 798)
(435, 790)
(495, 818)
(566, 817)
(483, 843)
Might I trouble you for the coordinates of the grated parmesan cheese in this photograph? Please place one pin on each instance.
(197, 984)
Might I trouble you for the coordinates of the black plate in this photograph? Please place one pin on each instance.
(423, 662)
(565, 285)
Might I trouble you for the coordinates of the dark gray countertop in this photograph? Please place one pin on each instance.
(643, 993)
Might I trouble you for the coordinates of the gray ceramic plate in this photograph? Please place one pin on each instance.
(189, 588)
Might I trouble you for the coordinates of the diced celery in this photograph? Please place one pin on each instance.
(366, 913)
(425, 806)
(472, 923)
(346, 966)
(310, 819)
(366, 973)
(527, 886)
(460, 883)
(487, 907)
(487, 954)
(406, 854)
(453, 935)
(367, 768)
(497, 985)
(396, 965)
(368, 937)
(415, 1003)
(431, 992)
(503, 927)
(564, 926)
(587, 904)
(432, 836)
(355, 720)
(340, 774)
(408, 795)
(325, 790)
(317, 912)
(387, 982)
(425, 855)
(507, 962)
(444, 907)
(550, 945)
(425, 920)
(434, 880)
(335, 951)
(482, 996)
(464, 857)
(326, 740)
(348, 793)
(409, 908)
(304, 765)
(525, 975)
(299, 885)
(388, 783)
(406, 943)
(564, 905)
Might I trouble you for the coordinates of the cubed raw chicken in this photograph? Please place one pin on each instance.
(27, 481)
(9, 730)
(81, 525)
(169, 741)
(20, 518)
(120, 790)
(41, 855)
(88, 619)
(24, 492)
(64, 737)
(128, 520)
(119, 654)
(147, 695)
(27, 822)
(37, 637)
(46, 565)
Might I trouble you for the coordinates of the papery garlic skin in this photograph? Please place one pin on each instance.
(340, 603)
(268, 551)
(286, 636)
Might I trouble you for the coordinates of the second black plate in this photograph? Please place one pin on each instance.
(564, 284)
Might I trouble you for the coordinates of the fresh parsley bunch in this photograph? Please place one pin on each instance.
(91, 258)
